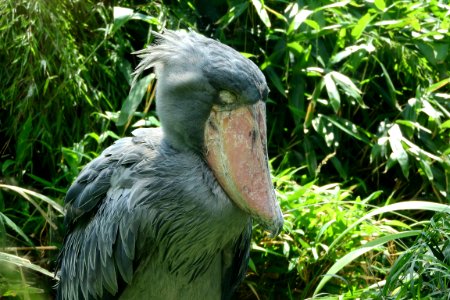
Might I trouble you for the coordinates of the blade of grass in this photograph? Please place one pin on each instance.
(14, 227)
(349, 257)
(407, 205)
(22, 262)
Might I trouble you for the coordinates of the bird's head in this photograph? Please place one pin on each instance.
(211, 100)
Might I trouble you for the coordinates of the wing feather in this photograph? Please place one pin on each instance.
(235, 263)
(100, 243)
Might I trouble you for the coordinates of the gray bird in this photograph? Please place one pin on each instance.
(167, 213)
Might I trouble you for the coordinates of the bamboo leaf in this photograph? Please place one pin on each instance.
(398, 152)
(121, 15)
(392, 100)
(333, 94)
(4, 219)
(233, 13)
(369, 48)
(349, 257)
(26, 193)
(133, 100)
(380, 4)
(23, 142)
(25, 263)
(276, 81)
(347, 85)
(407, 205)
(424, 164)
(347, 127)
(434, 87)
(298, 19)
(361, 25)
(263, 15)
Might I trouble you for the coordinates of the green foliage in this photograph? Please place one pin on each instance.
(359, 119)
(372, 76)
(61, 67)
(332, 244)
(422, 271)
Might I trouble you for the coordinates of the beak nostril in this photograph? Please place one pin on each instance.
(253, 134)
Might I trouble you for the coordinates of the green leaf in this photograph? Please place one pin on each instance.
(296, 47)
(407, 205)
(4, 219)
(298, 19)
(380, 4)
(333, 5)
(347, 85)
(392, 100)
(398, 152)
(9, 162)
(27, 193)
(121, 15)
(434, 87)
(310, 154)
(425, 166)
(332, 91)
(25, 263)
(361, 25)
(276, 81)
(349, 257)
(260, 9)
(347, 127)
(445, 125)
(324, 127)
(23, 142)
(133, 100)
(232, 14)
(369, 48)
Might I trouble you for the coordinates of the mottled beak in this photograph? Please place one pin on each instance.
(236, 151)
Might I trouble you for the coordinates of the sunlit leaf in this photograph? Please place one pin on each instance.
(333, 94)
(398, 152)
(348, 127)
(121, 15)
(233, 13)
(347, 85)
(25, 263)
(406, 205)
(298, 19)
(260, 9)
(349, 51)
(361, 25)
(349, 257)
(425, 166)
(334, 5)
(380, 4)
(436, 86)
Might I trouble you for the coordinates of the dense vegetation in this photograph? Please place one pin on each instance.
(359, 133)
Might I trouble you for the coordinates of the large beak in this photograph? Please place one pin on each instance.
(236, 151)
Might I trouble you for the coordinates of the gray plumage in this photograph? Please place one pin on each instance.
(147, 218)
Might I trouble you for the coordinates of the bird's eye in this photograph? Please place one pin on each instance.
(227, 97)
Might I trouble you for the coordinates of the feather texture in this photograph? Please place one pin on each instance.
(162, 206)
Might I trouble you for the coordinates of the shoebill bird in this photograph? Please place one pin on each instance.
(167, 213)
